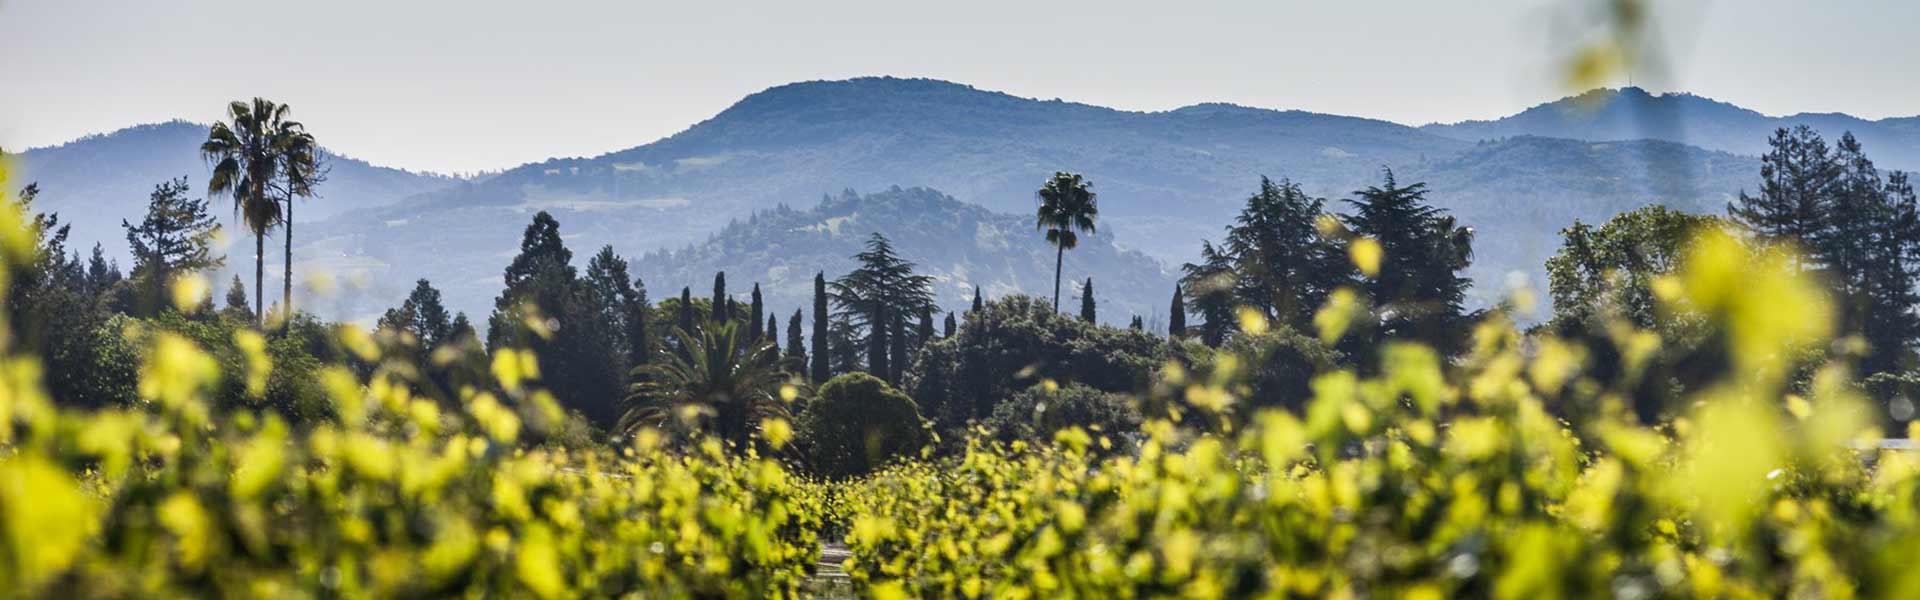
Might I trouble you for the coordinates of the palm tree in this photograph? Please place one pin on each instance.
(1067, 206)
(247, 154)
(302, 170)
(721, 383)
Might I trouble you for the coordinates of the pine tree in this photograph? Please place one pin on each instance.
(1285, 265)
(580, 358)
(822, 349)
(1797, 177)
(756, 312)
(1210, 283)
(796, 359)
(1419, 290)
(951, 326)
(174, 238)
(1177, 315)
(237, 300)
(623, 304)
(102, 275)
(882, 284)
(422, 315)
(1087, 305)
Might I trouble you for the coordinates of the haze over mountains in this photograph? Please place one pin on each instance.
(1166, 180)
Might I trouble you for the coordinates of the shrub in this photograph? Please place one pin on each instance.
(1037, 413)
(856, 423)
(1015, 342)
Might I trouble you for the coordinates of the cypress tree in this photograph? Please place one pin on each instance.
(897, 351)
(951, 325)
(977, 305)
(1137, 324)
(686, 310)
(925, 333)
(877, 364)
(718, 311)
(757, 311)
(1177, 315)
(796, 359)
(1086, 302)
(822, 348)
(773, 340)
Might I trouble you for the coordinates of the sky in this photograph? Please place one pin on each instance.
(469, 85)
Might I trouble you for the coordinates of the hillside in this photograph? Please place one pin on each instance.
(96, 181)
(1166, 179)
(1632, 113)
(960, 245)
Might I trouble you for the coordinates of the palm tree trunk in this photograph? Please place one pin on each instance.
(259, 276)
(1059, 258)
(287, 294)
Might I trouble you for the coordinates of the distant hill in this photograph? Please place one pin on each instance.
(960, 245)
(1632, 113)
(1166, 179)
(96, 181)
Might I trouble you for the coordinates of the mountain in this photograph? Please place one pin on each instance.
(1166, 180)
(1633, 113)
(960, 245)
(96, 181)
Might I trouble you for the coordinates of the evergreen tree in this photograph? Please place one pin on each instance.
(951, 326)
(822, 350)
(796, 359)
(843, 340)
(718, 309)
(756, 312)
(897, 359)
(1210, 285)
(1284, 265)
(102, 275)
(976, 300)
(922, 335)
(422, 315)
(622, 303)
(772, 335)
(877, 364)
(580, 358)
(882, 284)
(175, 237)
(1177, 315)
(1419, 292)
(237, 300)
(1137, 324)
(685, 320)
(1797, 175)
(1087, 305)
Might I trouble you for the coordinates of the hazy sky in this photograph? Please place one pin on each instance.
(483, 84)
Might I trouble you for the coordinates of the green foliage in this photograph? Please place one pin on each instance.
(857, 423)
(1038, 413)
(722, 384)
(1438, 479)
(563, 319)
(1015, 342)
(175, 238)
